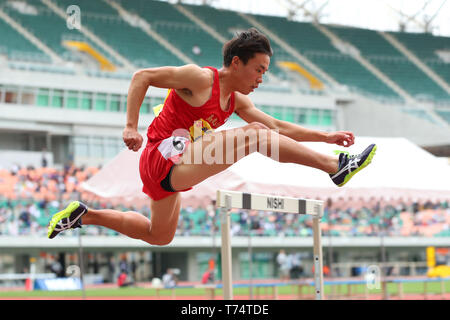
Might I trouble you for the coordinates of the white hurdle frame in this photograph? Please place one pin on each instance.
(227, 200)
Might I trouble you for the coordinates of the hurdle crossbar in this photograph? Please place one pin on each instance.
(227, 200)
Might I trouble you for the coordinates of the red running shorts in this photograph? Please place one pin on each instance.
(156, 161)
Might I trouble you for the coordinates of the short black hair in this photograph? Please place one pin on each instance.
(244, 45)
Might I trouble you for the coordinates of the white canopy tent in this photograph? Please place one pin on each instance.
(400, 169)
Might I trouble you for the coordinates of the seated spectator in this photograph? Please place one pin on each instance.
(30, 196)
(208, 276)
(123, 280)
(169, 279)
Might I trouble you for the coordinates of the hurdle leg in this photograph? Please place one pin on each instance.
(210, 293)
(299, 291)
(384, 290)
(366, 292)
(248, 201)
(226, 251)
(318, 264)
(425, 290)
(400, 291)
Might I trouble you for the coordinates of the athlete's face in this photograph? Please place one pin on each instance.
(250, 75)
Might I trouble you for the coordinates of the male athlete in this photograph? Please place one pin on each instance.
(181, 137)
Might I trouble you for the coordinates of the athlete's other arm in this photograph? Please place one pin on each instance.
(190, 77)
(246, 110)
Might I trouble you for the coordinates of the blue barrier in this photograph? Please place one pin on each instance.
(57, 284)
(406, 280)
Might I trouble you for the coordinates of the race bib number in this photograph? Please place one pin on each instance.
(199, 128)
(173, 148)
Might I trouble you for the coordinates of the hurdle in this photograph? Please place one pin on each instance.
(227, 200)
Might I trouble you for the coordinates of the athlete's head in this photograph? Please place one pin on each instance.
(248, 55)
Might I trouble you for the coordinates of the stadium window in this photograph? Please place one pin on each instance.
(57, 98)
(156, 101)
(100, 101)
(277, 112)
(27, 96)
(72, 100)
(81, 146)
(123, 103)
(108, 101)
(86, 101)
(313, 117)
(120, 144)
(43, 97)
(111, 147)
(146, 106)
(244, 260)
(265, 109)
(327, 118)
(114, 103)
(301, 116)
(96, 150)
(11, 94)
(289, 114)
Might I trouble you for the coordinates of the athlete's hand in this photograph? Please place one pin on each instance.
(341, 138)
(132, 139)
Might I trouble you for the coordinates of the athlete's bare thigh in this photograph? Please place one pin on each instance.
(216, 152)
(164, 217)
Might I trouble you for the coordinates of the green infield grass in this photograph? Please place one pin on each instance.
(341, 290)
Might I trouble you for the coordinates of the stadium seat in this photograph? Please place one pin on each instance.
(227, 23)
(180, 31)
(426, 46)
(392, 63)
(51, 29)
(19, 195)
(16, 46)
(129, 41)
(310, 42)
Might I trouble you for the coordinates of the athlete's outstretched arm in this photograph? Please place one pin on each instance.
(245, 109)
(190, 77)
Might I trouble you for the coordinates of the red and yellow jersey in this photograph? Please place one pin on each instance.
(178, 118)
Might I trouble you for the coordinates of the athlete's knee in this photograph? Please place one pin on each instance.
(260, 132)
(256, 130)
(162, 241)
(257, 126)
(161, 237)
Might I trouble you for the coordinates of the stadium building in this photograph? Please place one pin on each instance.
(65, 69)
